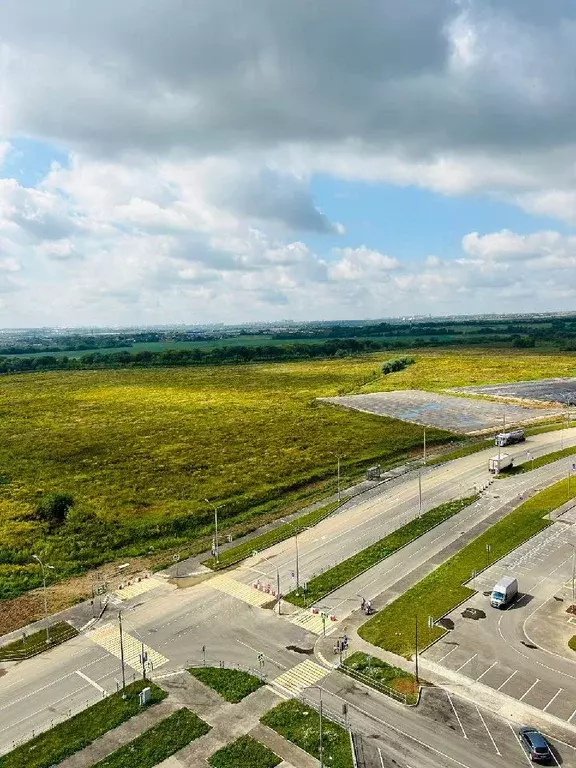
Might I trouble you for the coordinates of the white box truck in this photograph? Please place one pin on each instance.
(509, 438)
(497, 463)
(504, 592)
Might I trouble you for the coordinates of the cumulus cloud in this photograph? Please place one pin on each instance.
(194, 129)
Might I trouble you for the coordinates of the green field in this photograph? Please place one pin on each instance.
(34, 644)
(383, 677)
(393, 628)
(140, 450)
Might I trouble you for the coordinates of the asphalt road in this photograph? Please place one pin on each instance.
(224, 623)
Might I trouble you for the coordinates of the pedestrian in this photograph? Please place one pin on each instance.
(363, 605)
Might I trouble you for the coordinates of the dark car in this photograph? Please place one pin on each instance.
(535, 745)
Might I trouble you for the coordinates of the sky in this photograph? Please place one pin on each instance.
(231, 161)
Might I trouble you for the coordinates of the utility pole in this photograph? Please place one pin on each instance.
(45, 594)
(321, 750)
(122, 654)
(297, 564)
(573, 571)
(278, 589)
(338, 457)
(143, 659)
(419, 491)
(216, 546)
(416, 633)
(424, 454)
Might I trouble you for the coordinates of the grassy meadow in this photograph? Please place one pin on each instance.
(140, 450)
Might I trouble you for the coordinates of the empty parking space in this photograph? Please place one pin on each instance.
(495, 736)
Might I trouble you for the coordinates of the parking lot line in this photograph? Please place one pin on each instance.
(571, 716)
(507, 680)
(529, 689)
(552, 699)
(447, 654)
(487, 670)
(520, 745)
(457, 715)
(488, 731)
(466, 662)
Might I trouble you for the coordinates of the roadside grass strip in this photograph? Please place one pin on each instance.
(301, 725)
(64, 739)
(158, 743)
(233, 685)
(34, 644)
(383, 677)
(541, 461)
(322, 585)
(245, 752)
(393, 628)
(275, 536)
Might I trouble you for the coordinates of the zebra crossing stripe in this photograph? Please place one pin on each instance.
(294, 681)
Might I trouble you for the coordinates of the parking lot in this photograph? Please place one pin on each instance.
(455, 414)
(546, 390)
(489, 646)
(492, 734)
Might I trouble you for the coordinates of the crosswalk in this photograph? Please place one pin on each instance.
(138, 588)
(240, 591)
(108, 637)
(313, 622)
(294, 681)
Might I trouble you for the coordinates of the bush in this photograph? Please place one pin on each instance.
(54, 508)
(398, 364)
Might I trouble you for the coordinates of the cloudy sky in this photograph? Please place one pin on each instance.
(196, 161)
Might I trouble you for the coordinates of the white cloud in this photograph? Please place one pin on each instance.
(361, 263)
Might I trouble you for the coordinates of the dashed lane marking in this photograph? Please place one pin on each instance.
(108, 637)
(300, 677)
(240, 591)
(313, 622)
(138, 588)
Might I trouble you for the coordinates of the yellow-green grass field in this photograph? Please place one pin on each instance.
(140, 450)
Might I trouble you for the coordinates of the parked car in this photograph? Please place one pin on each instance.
(535, 745)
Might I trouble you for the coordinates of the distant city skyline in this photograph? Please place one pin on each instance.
(222, 161)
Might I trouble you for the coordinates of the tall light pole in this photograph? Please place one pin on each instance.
(44, 567)
(297, 564)
(216, 547)
(277, 581)
(338, 457)
(122, 654)
(420, 476)
(573, 571)
(321, 734)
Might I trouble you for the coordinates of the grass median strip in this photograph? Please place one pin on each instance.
(245, 752)
(281, 533)
(320, 586)
(232, 684)
(301, 725)
(383, 677)
(66, 738)
(32, 645)
(158, 743)
(393, 628)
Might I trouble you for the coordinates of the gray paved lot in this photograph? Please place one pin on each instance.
(493, 649)
(454, 414)
(547, 390)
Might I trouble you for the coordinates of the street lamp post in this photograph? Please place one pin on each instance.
(573, 571)
(51, 567)
(338, 457)
(297, 564)
(277, 581)
(216, 547)
(321, 728)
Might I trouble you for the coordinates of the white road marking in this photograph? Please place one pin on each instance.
(92, 682)
(447, 654)
(381, 758)
(529, 689)
(457, 715)
(486, 670)
(488, 731)
(571, 716)
(552, 699)
(466, 662)
(507, 680)
(520, 745)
